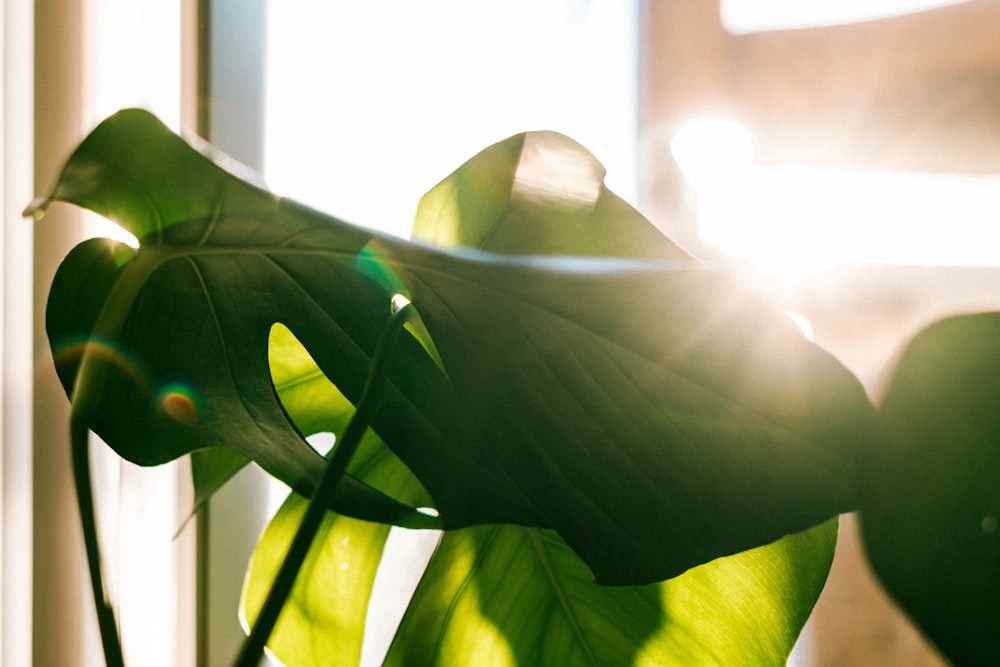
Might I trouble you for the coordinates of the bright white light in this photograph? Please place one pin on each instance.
(370, 104)
(744, 16)
(796, 220)
(712, 149)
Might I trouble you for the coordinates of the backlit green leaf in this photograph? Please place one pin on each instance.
(537, 193)
(506, 595)
(323, 621)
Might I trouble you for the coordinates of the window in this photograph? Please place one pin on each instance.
(359, 108)
(15, 341)
(743, 16)
(368, 106)
(844, 164)
(67, 64)
(567, 65)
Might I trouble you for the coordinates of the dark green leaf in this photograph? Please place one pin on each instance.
(649, 411)
(542, 193)
(166, 353)
(932, 503)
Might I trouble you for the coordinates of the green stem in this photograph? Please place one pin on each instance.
(80, 446)
(345, 448)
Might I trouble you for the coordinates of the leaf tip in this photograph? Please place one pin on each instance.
(36, 209)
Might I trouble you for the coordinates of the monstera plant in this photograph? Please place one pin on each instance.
(632, 460)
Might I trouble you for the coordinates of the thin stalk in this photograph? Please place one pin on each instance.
(80, 446)
(345, 447)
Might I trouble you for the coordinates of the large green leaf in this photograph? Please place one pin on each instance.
(506, 595)
(650, 412)
(932, 504)
(538, 193)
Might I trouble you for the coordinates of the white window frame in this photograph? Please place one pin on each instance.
(66, 65)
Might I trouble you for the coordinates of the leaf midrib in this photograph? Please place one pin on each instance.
(535, 538)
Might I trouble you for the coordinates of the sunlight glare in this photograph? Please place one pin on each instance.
(792, 221)
(712, 149)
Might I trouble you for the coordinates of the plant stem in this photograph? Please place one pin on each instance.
(80, 447)
(344, 449)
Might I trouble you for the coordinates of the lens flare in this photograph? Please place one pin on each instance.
(371, 261)
(70, 351)
(180, 403)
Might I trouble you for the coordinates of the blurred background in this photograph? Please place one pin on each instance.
(841, 157)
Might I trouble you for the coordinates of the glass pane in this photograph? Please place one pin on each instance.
(370, 104)
(742, 16)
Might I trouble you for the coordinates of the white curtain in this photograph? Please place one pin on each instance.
(66, 64)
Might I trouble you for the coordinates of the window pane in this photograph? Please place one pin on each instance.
(741, 16)
(370, 104)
